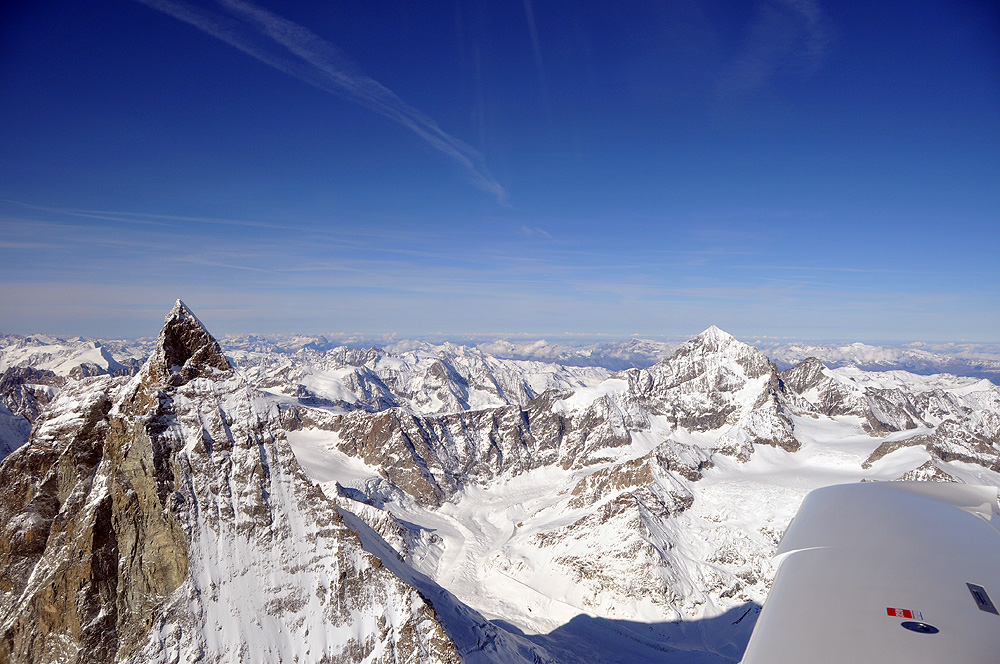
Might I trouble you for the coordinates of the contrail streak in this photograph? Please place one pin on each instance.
(319, 63)
(536, 46)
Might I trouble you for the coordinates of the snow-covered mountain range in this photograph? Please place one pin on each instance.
(961, 359)
(432, 502)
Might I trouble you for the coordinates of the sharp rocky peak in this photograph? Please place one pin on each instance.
(712, 350)
(804, 375)
(185, 349)
(715, 341)
(714, 337)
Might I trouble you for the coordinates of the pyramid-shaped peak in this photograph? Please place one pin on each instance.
(812, 363)
(715, 348)
(715, 339)
(715, 334)
(185, 349)
(180, 309)
(711, 341)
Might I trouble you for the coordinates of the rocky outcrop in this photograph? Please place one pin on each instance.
(184, 351)
(961, 421)
(58, 539)
(715, 383)
(164, 518)
(890, 404)
(641, 480)
(25, 391)
(950, 441)
(826, 394)
(807, 374)
(927, 472)
(432, 457)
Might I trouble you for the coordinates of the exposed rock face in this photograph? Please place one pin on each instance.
(827, 395)
(58, 539)
(637, 480)
(24, 393)
(432, 457)
(834, 393)
(928, 472)
(949, 442)
(713, 382)
(805, 375)
(185, 350)
(165, 519)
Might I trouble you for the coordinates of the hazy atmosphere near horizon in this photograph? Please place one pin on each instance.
(789, 168)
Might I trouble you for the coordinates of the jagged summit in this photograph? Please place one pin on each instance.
(179, 306)
(716, 354)
(136, 523)
(185, 349)
(804, 375)
(715, 337)
(712, 340)
(715, 340)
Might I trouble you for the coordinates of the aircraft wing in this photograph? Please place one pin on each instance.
(905, 572)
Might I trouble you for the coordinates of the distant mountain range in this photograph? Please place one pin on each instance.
(977, 360)
(255, 499)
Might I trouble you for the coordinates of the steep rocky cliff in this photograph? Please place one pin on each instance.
(163, 518)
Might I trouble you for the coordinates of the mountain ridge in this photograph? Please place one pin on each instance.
(176, 489)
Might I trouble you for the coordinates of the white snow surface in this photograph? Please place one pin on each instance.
(14, 431)
(61, 356)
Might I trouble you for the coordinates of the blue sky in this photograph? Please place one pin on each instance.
(787, 168)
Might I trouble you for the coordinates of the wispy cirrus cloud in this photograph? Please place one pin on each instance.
(143, 218)
(536, 47)
(7, 244)
(785, 35)
(313, 60)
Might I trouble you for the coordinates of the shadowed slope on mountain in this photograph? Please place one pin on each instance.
(164, 518)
